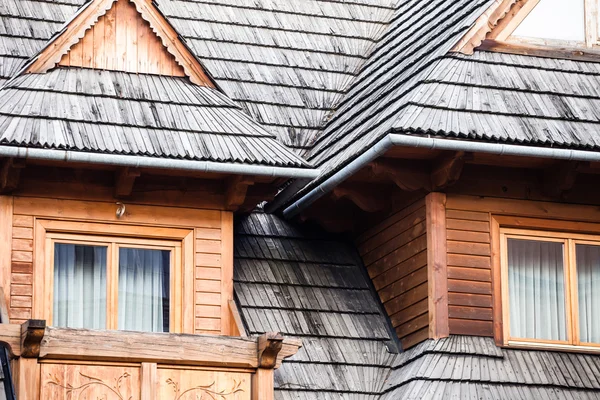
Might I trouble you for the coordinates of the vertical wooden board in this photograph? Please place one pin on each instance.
(226, 270)
(27, 382)
(66, 381)
(100, 39)
(263, 385)
(87, 42)
(6, 222)
(497, 283)
(110, 41)
(179, 384)
(188, 295)
(121, 35)
(133, 20)
(437, 265)
(149, 383)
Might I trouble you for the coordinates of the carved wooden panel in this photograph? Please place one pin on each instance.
(89, 382)
(179, 384)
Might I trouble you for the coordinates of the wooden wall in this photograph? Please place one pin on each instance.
(469, 271)
(211, 265)
(395, 254)
(122, 40)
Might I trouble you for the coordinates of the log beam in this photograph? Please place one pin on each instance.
(10, 174)
(124, 181)
(365, 199)
(237, 188)
(407, 179)
(560, 178)
(447, 170)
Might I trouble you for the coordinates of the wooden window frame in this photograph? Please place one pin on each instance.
(181, 241)
(571, 234)
(591, 37)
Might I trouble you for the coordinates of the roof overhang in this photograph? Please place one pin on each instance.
(395, 139)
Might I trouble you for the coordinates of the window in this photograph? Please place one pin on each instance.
(93, 274)
(551, 288)
(108, 276)
(557, 22)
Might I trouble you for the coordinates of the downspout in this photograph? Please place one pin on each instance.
(161, 163)
(432, 144)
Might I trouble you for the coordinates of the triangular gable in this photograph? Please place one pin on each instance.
(121, 35)
(497, 23)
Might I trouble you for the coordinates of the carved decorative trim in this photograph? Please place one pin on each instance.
(78, 391)
(204, 392)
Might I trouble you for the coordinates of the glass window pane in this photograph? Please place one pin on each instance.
(144, 284)
(79, 286)
(588, 288)
(536, 290)
(554, 19)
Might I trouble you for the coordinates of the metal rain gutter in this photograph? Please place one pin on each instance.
(432, 144)
(162, 163)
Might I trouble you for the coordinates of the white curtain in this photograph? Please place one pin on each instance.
(144, 290)
(536, 290)
(588, 286)
(79, 286)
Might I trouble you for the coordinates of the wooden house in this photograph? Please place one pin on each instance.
(299, 199)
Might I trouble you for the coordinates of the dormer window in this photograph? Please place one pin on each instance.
(556, 23)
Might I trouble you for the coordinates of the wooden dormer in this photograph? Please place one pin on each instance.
(121, 35)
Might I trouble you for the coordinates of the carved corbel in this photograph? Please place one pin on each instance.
(32, 333)
(269, 346)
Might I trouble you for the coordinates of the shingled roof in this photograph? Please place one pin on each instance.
(311, 285)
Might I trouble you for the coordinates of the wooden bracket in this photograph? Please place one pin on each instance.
(447, 170)
(405, 178)
(237, 188)
(560, 178)
(124, 181)
(366, 200)
(269, 346)
(32, 333)
(10, 174)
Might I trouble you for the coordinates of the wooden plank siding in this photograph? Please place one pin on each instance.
(208, 272)
(394, 252)
(469, 272)
(121, 40)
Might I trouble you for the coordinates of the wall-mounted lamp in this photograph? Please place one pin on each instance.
(120, 210)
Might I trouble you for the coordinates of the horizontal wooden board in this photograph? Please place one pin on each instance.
(476, 313)
(208, 273)
(106, 212)
(22, 233)
(460, 286)
(415, 338)
(407, 298)
(394, 243)
(465, 225)
(208, 299)
(389, 221)
(208, 233)
(208, 324)
(209, 286)
(412, 326)
(208, 311)
(398, 256)
(470, 299)
(208, 260)
(470, 274)
(22, 267)
(467, 215)
(469, 261)
(24, 221)
(392, 232)
(397, 288)
(208, 246)
(476, 249)
(409, 313)
(471, 327)
(468, 236)
(21, 301)
(401, 270)
(22, 244)
(22, 279)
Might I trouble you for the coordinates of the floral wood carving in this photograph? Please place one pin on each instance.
(78, 391)
(204, 392)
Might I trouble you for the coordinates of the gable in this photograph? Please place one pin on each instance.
(121, 35)
(122, 40)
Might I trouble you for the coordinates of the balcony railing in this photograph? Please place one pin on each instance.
(59, 363)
